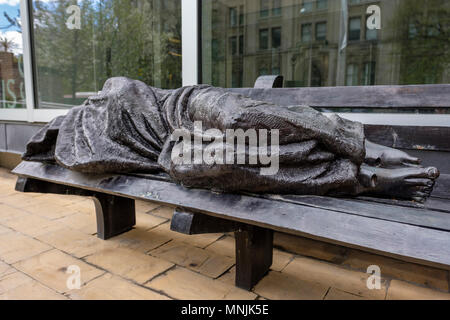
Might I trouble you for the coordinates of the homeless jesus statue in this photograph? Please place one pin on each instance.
(130, 127)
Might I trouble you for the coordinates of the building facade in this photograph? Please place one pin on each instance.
(55, 54)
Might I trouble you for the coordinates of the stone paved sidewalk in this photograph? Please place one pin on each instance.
(41, 236)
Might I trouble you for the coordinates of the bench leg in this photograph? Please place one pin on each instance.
(254, 249)
(115, 215)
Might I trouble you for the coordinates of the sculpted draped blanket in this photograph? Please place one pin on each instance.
(127, 128)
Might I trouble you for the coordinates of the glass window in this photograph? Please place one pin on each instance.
(307, 6)
(306, 32)
(276, 70)
(241, 15)
(276, 37)
(264, 39)
(233, 17)
(263, 71)
(276, 7)
(321, 31)
(233, 46)
(241, 44)
(411, 47)
(412, 31)
(354, 29)
(12, 85)
(352, 75)
(322, 4)
(371, 34)
(264, 8)
(369, 74)
(78, 47)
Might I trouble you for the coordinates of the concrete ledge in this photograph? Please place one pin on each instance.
(9, 160)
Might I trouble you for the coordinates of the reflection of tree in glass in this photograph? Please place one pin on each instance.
(424, 38)
(139, 39)
(7, 45)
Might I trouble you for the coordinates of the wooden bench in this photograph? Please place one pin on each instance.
(400, 229)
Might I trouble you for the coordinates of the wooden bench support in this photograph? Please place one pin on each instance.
(188, 222)
(115, 214)
(254, 249)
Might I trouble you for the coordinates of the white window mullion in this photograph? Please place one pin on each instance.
(27, 60)
(190, 41)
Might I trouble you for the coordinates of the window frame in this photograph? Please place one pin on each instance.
(191, 74)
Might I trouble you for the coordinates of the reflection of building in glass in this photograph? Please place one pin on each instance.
(301, 39)
(139, 39)
(11, 86)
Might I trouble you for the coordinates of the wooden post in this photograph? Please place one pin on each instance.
(254, 247)
(115, 215)
(188, 222)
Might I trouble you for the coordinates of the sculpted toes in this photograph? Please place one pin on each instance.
(419, 199)
(411, 160)
(419, 182)
(432, 172)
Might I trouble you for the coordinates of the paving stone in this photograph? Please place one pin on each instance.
(109, 287)
(32, 291)
(229, 277)
(225, 246)
(19, 200)
(129, 264)
(401, 290)
(49, 210)
(147, 221)
(215, 266)
(33, 225)
(140, 240)
(6, 191)
(336, 294)
(74, 242)
(4, 230)
(163, 212)
(145, 206)
(282, 286)
(182, 254)
(5, 269)
(309, 248)
(181, 283)
(330, 275)
(392, 268)
(7, 212)
(84, 222)
(12, 280)
(50, 269)
(48, 198)
(201, 241)
(86, 205)
(15, 247)
(280, 260)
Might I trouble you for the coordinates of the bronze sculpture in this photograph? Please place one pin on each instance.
(129, 126)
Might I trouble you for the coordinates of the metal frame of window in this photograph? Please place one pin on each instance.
(191, 73)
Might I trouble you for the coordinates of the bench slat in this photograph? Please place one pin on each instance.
(434, 204)
(411, 216)
(442, 188)
(414, 138)
(406, 242)
(414, 96)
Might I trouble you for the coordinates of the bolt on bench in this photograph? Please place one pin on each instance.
(418, 233)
